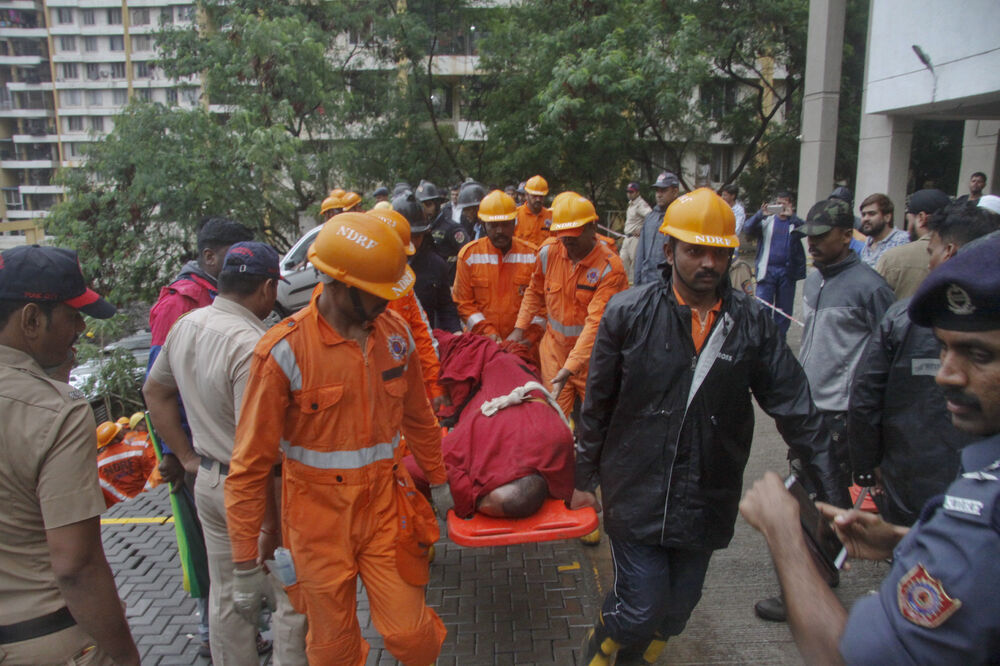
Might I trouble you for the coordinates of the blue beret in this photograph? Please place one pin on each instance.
(963, 293)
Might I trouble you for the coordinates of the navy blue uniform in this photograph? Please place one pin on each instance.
(940, 603)
(433, 287)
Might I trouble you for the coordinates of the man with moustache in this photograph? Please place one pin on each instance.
(904, 267)
(667, 424)
(876, 224)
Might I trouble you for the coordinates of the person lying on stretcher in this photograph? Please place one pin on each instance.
(510, 448)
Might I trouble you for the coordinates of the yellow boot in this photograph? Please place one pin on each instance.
(598, 647)
(591, 539)
(641, 656)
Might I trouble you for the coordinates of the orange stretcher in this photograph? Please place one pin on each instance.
(552, 522)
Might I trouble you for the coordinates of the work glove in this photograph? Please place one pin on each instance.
(250, 588)
(442, 499)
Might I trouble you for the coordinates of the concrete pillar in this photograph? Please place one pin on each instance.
(980, 153)
(884, 158)
(821, 95)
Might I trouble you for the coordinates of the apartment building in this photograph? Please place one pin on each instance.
(67, 68)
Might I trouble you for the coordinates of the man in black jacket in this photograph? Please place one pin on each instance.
(901, 437)
(667, 424)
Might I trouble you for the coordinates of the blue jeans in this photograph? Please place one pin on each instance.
(655, 591)
(778, 289)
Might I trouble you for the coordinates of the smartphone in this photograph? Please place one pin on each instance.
(823, 541)
(774, 208)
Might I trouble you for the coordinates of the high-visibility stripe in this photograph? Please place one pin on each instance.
(285, 358)
(709, 354)
(101, 462)
(543, 254)
(604, 273)
(474, 319)
(427, 324)
(538, 320)
(481, 259)
(112, 490)
(341, 459)
(568, 331)
(518, 258)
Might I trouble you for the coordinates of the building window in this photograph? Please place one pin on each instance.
(171, 96)
(139, 16)
(115, 16)
(190, 95)
(69, 97)
(93, 71)
(185, 13)
(116, 42)
(87, 16)
(166, 15)
(64, 16)
(142, 43)
(90, 44)
(142, 70)
(74, 124)
(67, 43)
(95, 98)
(118, 70)
(718, 98)
(119, 97)
(145, 94)
(70, 70)
(97, 123)
(722, 163)
(74, 149)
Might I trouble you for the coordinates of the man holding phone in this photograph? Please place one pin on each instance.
(939, 603)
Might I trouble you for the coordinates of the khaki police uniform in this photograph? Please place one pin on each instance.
(207, 357)
(48, 479)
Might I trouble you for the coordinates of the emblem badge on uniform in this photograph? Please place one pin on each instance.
(592, 275)
(460, 236)
(959, 301)
(922, 599)
(397, 347)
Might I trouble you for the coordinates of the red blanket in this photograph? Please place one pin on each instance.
(482, 452)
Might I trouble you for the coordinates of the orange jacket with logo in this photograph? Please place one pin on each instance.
(489, 285)
(409, 307)
(533, 228)
(335, 411)
(573, 296)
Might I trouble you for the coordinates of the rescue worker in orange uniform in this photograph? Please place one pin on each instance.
(333, 204)
(533, 218)
(493, 273)
(573, 279)
(124, 464)
(349, 202)
(409, 307)
(331, 388)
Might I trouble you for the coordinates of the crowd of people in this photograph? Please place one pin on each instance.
(314, 447)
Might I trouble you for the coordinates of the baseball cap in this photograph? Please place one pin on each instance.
(826, 215)
(632, 187)
(252, 258)
(963, 293)
(49, 275)
(927, 201)
(666, 179)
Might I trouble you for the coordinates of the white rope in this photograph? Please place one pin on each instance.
(610, 231)
(518, 396)
(779, 311)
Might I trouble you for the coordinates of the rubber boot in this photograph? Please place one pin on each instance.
(598, 647)
(591, 539)
(641, 655)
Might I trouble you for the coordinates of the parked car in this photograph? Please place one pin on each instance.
(301, 276)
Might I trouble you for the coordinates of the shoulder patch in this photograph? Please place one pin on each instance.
(460, 236)
(922, 599)
(76, 394)
(397, 346)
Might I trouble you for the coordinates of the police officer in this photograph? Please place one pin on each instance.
(939, 603)
(59, 603)
(448, 236)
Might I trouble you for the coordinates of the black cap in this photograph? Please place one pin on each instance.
(926, 201)
(49, 275)
(826, 215)
(381, 191)
(427, 191)
(843, 194)
(252, 258)
(963, 293)
(665, 180)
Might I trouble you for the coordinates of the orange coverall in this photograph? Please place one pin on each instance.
(411, 310)
(533, 228)
(336, 410)
(126, 468)
(489, 285)
(574, 296)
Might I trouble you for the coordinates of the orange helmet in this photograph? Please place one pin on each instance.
(537, 185)
(106, 433)
(337, 192)
(349, 200)
(497, 206)
(570, 212)
(398, 223)
(136, 419)
(701, 217)
(122, 421)
(361, 250)
(332, 202)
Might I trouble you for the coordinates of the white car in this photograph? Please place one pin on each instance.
(302, 277)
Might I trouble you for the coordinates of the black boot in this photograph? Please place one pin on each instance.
(771, 609)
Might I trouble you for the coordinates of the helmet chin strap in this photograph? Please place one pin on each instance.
(359, 309)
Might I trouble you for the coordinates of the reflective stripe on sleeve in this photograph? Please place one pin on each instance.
(568, 331)
(341, 459)
(112, 490)
(604, 273)
(101, 462)
(538, 320)
(481, 259)
(474, 319)
(543, 254)
(518, 258)
(284, 356)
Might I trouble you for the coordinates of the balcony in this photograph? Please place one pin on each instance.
(27, 164)
(42, 189)
(25, 113)
(21, 60)
(22, 33)
(25, 214)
